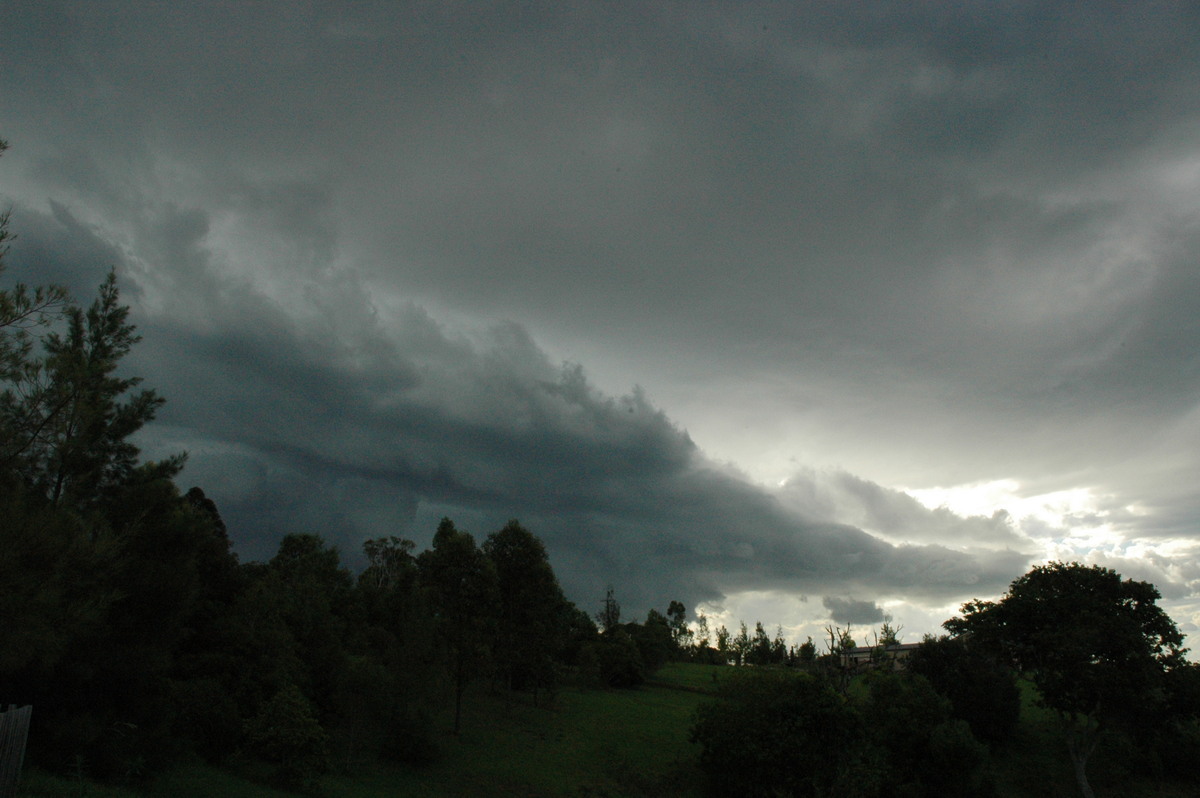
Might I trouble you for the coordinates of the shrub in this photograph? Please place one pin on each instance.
(285, 732)
(613, 660)
(784, 733)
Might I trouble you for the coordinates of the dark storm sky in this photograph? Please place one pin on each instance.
(711, 296)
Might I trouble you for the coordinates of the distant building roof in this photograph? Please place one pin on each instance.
(865, 651)
(861, 657)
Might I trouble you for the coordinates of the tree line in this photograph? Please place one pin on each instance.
(1094, 650)
(140, 638)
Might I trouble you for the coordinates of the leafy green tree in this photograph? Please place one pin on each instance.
(389, 597)
(461, 586)
(114, 577)
(1175, 740)
(982, 691)
(653, 639)
(760, 649)
(703, 651)
(310, 589)
(55, 586)
(177, 581)
(885, 638)
(925, 752)
(385, 700)
(286, 733)
(805, 654)
(70, 417)
(836, 664)
(845, 641)
(741, 645)
(1097, 647)
(117, 625)
(614, 659)
(580, 633)
(22, 310)
(680, 633)
(724, 650)
(530, 619)
(888, 635)
(390, 562)
(702, 633)
(957, 763)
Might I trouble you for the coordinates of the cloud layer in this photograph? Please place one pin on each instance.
(842, 250)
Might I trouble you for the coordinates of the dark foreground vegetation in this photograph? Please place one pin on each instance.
(157, 662)
(607, 742)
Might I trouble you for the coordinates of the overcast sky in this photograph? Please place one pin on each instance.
(797, 312)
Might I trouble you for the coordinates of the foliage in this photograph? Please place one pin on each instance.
(310, 590)
(614, 660)
(956, 763)
(461, 587)
(69, 426)
(805, 654)
(788, 732)
(286, 733)
(530, 619)
(22, 310)
(681, 635)
(724, 652)
(109, 573)
(981, 691)
(653, 639)
(887, 635)
(1097, 647)
(924, 751)
(784, 733)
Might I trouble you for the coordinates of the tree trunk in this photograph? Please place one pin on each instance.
(1080, 743)
(458, 694)
(460, 687)
(1079, 760)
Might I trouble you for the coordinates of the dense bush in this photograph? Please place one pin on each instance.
(781, 732)
(925, 751)
(286, 733)
(981, 691)
(776, 732)
(613, 660)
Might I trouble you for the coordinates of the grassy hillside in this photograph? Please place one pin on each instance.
(591, 743)
(604, 744)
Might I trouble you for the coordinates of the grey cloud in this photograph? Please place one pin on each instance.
(851, 611)
(836, 239)
(893, 514)
(937, 239)
(58, 247)
(483, 425)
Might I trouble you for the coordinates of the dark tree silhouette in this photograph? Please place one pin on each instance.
(460, 582)
(1096, 646)
(531, 620)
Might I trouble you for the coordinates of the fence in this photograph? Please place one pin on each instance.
(14, 730)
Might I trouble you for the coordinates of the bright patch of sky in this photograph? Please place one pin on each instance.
(1069, 524)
